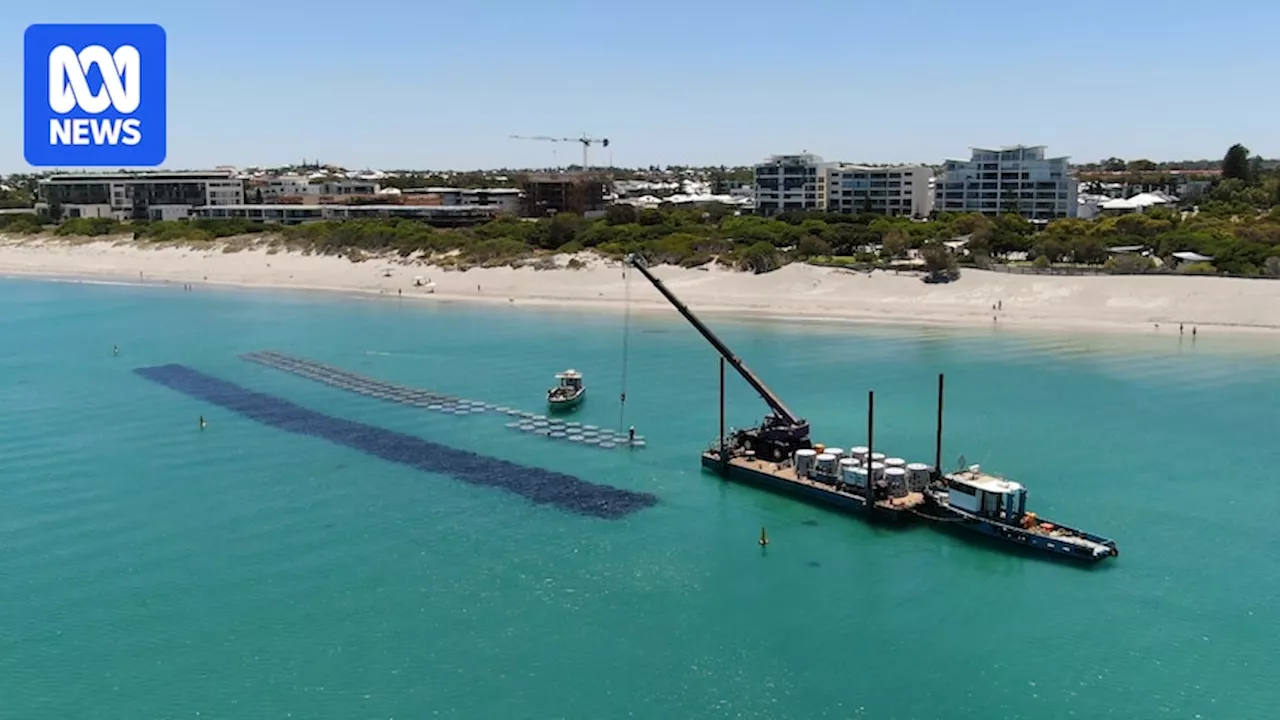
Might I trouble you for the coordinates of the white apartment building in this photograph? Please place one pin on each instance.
(903, 190)
(789, 183)
(1018, 179)
(139, 195)
(439, 215)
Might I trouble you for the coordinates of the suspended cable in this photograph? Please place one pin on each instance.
(626, 334)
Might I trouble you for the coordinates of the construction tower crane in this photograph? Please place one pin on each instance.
(586, 141)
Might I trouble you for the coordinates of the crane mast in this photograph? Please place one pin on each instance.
(783, 431)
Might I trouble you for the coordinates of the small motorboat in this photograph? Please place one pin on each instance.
(568, 391)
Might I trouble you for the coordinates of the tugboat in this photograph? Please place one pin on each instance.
(996, 507)
(568, 391)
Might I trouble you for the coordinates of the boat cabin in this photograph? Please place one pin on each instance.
(986, 495)
(570, 379)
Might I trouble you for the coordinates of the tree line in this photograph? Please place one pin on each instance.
(1246, 245)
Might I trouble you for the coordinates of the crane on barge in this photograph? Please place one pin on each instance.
(781, 432)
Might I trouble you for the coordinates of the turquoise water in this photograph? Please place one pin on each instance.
(151, 570)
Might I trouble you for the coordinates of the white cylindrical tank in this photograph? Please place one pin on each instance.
(895, 462)
(858, 452)
(837, 452)
(896, 477)
(877, 470)
(917, 476)
(855, 476)
(825, 464)
(804, 461)
(877, 457)
(846, 466)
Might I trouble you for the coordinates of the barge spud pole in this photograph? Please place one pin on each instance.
(777, 455)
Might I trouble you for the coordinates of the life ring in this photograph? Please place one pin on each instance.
(777, 454)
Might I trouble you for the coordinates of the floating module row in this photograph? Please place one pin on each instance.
(542, 425)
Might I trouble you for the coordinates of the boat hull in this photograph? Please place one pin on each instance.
(813, 493)
(1022, 538)
(569, 403)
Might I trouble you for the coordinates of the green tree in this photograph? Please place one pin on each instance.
(939, 260)
(812, 246)
(895, 244)
(1272, 266)
(761, 257)
(621, 214)
(1235, 165)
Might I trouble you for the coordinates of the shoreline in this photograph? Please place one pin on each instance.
(794, 293)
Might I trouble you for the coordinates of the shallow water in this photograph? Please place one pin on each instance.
(152, 569)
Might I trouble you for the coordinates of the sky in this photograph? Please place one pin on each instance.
(443, 85)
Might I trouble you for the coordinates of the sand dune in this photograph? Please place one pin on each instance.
(797, 291)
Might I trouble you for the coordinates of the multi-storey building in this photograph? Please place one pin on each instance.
(582, 193)
(790, 183)
(137, 196)
(441, 215)
(297, 186)
(506, 200)
(905, 190)
(1017, 179)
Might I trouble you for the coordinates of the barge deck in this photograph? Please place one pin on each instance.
(782, 478)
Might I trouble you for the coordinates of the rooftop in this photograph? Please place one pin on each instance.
(142, 175)
(975, 478)
(369, 208)
(428, 190)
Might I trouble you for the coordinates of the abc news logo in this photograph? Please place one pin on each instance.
(69, 89)
(95, 95)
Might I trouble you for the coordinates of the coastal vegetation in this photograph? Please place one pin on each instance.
(1235, 222)
(1239, 243)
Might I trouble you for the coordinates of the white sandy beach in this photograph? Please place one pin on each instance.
(797, 291)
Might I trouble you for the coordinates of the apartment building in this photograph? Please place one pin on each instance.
(790, 183)
(505, 200)
(299, 186)
(137, 196)
(1018, 179)
(442, 216)
(902, 190)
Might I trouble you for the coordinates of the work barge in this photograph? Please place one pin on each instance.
(779, 456)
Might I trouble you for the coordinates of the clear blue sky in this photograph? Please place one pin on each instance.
(436, 84)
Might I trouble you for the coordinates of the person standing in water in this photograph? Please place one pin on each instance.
(115, 349)
(202, 422)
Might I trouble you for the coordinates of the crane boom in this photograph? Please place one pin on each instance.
(775, 403)
(586, 141)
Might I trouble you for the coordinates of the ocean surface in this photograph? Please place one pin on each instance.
(149, 569)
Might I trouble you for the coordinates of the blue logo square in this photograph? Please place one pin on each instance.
(94, 95)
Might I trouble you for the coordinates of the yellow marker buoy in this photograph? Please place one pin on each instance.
(764, 537)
